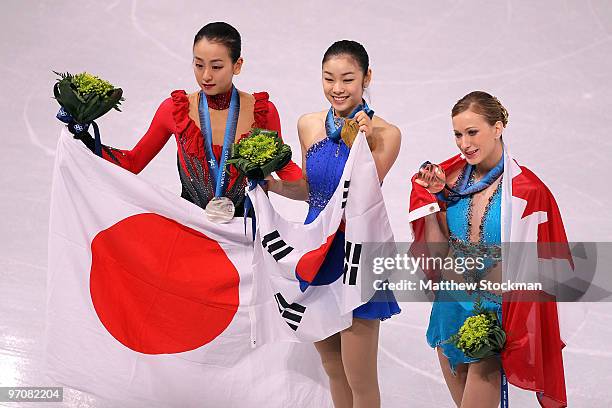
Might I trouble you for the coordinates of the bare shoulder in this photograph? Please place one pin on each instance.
(387, 133)
(246, 96)
(311, 119)
(309, 127)
(387, 129)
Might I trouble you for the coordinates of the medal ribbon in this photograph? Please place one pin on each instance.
(504, 390)
(463, 190)
(218, 170)
(334, 129)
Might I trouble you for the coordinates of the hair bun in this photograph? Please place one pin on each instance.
(504, 112)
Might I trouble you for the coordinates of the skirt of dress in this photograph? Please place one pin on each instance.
(448, 312)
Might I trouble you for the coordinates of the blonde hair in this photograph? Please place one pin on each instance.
(483, 104)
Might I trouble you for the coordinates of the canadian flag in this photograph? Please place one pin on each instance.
(151, 304)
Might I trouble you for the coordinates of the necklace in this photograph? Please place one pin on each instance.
(220, 101)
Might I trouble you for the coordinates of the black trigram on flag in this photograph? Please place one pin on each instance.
(352, 256)
(275, 245)
(292, 313)
(345, 189)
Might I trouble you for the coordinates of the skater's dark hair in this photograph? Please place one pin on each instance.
(352, 49)
(483, 104)
(222, 33)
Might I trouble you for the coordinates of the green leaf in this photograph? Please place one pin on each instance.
(88, 106)
(56, 93)
(259, 154)
(77, 94)
(91, 109)
(67, 98)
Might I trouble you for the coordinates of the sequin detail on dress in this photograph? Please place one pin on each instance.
(325, 161)
(324, 171)
(219, 101)
(451, 308)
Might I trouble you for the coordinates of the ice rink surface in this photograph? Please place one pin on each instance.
(549, 62)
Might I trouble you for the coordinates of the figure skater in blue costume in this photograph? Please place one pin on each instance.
(349, 357)
(472, 228)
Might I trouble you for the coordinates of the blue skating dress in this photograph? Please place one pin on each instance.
(325, 162)
(451, 308)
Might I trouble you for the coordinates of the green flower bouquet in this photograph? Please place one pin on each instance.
(259, 154)
(84, 98)
(481, 335)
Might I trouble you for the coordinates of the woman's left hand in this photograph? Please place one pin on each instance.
(365, 123)
(268, 184)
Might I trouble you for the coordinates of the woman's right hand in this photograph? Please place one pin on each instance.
(294, 190)
(432, 177)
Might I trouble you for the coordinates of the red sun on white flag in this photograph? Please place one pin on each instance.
(161, 287)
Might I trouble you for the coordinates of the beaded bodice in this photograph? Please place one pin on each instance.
(488, 247)
(459, 216)
(325, 162)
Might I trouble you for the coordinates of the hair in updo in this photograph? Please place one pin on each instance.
(352, 49)
(222, 33)
(483, 104)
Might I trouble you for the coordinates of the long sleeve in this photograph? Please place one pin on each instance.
(291, 171)
(161, 128)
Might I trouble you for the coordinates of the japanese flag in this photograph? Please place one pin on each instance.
(151, 304)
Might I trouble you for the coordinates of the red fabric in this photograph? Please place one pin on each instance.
(172, 117)
(539, 198)
(419, 198)
(148, 289)
(310, 263)
(160, 130)
(217, 150)
(266, 117)
(532, 356)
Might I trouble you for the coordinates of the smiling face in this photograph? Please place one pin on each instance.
(213, 67)
(343, 83)
(479, 141)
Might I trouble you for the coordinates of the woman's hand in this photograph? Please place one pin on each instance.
(432, 177)
(364, 122)
(269, 183)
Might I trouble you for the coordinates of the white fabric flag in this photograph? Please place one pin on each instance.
(151, 304)
(288, 254)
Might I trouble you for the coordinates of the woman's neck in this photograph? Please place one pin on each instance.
(490, 161)
(220, 101)
(345, 113)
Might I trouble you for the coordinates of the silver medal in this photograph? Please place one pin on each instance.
(220, 210)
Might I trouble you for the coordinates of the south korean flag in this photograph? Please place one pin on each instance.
(288, 255)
